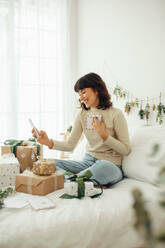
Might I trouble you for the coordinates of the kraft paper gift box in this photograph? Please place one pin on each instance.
(26, 155)
(28, 182)
(5, 149)
(9, 168)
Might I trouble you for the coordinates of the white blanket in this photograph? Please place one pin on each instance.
(75, 223)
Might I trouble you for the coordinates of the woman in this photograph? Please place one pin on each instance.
(105, 129)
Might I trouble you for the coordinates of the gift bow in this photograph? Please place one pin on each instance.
(14, 143)
(86, 177)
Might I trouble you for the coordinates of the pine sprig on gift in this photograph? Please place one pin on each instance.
(4, 194)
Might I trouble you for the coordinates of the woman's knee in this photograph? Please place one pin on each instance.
(106, 172)
(103, 165)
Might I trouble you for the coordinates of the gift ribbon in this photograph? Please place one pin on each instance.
(56, 178)
(55, 181)
(29, 185)
(81, 185)
(14, 143)
(35, 144)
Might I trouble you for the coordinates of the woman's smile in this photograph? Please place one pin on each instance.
(89, 97)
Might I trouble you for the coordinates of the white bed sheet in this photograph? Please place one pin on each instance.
(74, 223)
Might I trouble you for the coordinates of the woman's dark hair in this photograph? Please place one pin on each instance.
(94, 81)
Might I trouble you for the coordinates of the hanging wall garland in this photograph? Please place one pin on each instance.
(145, 106)
(145, 110)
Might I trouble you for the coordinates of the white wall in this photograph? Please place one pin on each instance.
(124, 41)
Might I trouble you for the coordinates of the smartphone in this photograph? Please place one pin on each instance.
(35, 130)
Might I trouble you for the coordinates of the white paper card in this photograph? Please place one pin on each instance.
(17, 201)
(41, 202)
(90, 119)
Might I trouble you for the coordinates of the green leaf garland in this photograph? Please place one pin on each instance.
(143, 113)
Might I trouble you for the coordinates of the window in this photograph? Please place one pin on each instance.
(35, 75)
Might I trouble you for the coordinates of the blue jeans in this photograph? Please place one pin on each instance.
(103, 171)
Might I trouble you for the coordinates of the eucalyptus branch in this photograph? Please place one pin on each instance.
(4, 194)
(143, 221)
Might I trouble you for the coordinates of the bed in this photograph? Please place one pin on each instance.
(106, 221)
(102, 222)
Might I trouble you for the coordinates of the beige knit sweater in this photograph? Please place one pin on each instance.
(113, 148)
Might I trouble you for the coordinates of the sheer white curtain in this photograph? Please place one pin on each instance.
(34, 67)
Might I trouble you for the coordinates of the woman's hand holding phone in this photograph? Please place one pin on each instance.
(41, 136)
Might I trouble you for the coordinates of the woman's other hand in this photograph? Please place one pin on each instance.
(43, 138)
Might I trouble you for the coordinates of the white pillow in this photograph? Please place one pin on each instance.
(139, 164)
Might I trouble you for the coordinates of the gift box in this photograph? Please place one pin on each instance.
(26, 152)
(71, 188)
(30, 183)
(44, 167)
(5, 149)
(9, 168)
(26, 155)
